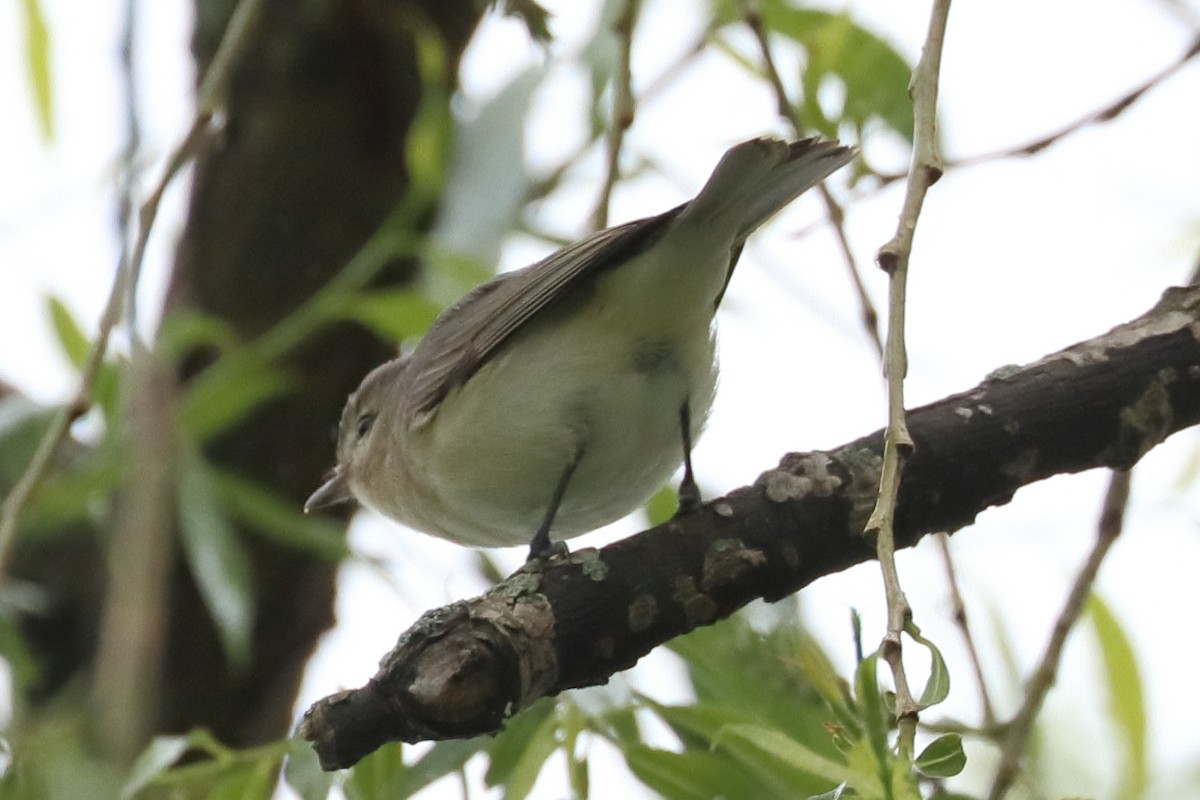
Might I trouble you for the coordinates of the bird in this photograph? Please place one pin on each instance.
(555, 399)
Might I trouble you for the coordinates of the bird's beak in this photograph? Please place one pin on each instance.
(333, 491)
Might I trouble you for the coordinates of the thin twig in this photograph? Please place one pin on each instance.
(868, 315)
(1106, 113)
(623, 109)
(964, 628)
(1017, 732)
(661, 83)
(893, 258)
(209, 101)
(127, 171)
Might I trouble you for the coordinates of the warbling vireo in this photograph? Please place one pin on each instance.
(558, 398)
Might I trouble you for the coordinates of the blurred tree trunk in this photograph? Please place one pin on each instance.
(310, 162)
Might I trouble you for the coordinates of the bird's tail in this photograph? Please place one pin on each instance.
(757, 178)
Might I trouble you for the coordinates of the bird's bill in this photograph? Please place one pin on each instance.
(333, 491)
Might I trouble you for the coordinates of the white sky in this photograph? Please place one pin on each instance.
(1013, 260)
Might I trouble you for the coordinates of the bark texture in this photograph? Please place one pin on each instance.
(461, 670)
(312, 162)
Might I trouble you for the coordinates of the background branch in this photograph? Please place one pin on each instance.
(868, 315)
(1106, 113)
(624, 108)
(125, 281)
(1018, 731)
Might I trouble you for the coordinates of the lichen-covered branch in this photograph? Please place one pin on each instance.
(461, 670)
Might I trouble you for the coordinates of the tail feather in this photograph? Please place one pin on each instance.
(757, 178)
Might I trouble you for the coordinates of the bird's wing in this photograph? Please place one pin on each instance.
(477, 326)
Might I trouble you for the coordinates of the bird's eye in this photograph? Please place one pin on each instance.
(365, 421)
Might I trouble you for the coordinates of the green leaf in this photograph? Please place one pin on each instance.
(872, 73)
(937, 688)
(226, 392)
(689, 776)
(815, 665)
(374, 777)
(451, 273)
(943, 758)
(771, 687)
(700, 726)
(266, 513)
(443, 759)
(396, 314)
(37, 58)
(243, 782)
(785, 750)
(185, 330)
(871, 706)
(217, 559)
(662, 505)
(525, 770)
(535, 17)
(572, 725)
(21, 663)
(158, 757)
(431, 134)
(904, 783)
(383, 775)
(488, 151)
(71, 337)
(302, 772)
(77, 347)
(75, 492)
(867, 768)
(506, 750)
(833, 794)
(1126, 701)
(22, 425)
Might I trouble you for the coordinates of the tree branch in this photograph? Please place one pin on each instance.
(1018, 731)
(462, 669)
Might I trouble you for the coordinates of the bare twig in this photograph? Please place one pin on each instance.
(623, 109)
(788, 111)
(964, 627)
(1016, 737)
(210, 96)
(1106, 113)
(893, 258)
(127, 170)
(655, 87)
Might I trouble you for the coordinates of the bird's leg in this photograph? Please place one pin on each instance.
(541, 546)
(689, 492)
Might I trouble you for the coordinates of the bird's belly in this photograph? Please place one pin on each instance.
(496, 454)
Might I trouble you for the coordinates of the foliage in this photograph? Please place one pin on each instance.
(37, 62)
(774, 714)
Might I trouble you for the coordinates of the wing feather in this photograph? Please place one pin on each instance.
(467, 335)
